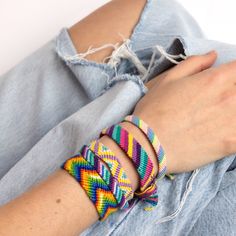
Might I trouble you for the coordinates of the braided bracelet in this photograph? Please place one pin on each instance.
(153, 140)
(105, 174)
(115, 167)
(140, 159)
(92, 183)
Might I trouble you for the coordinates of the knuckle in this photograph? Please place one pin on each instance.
(214, 76)
(227, 97)
(217, 74)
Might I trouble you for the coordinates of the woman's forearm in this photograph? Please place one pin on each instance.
(59, 205)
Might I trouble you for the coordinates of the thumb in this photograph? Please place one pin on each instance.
(192, 65)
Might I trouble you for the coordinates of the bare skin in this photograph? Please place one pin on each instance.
(52, 216)
(59, 206)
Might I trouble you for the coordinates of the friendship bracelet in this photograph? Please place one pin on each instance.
(118, 172)
(105, 174)
(161, 158)
(94, 186)
(109, 187)
(140, 159)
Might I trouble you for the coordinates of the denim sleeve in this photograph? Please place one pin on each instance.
(51, 101)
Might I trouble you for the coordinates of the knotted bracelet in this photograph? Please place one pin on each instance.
(117, 171)
(139, 157)
(105, 174)
(152, 137)
(96, 188)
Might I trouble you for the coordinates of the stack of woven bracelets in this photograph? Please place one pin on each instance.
(101, 175)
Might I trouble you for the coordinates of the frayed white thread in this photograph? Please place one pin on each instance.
(114, 58)
(109, 58)
(125, 52)
(170, 57)
(90, 51)
(145, 77)
(106, 59)
(183, 200)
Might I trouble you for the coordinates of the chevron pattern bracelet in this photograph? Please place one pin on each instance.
(117, 171)
(95, 187)
(105, 174)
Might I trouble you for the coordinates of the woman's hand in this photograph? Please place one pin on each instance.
(192, 109)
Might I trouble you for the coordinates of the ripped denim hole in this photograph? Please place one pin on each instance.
(125, 52)
(188, 190)
(106, 59)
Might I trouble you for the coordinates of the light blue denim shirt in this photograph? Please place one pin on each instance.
(55, 101)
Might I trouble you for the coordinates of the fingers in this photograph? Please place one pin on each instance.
(192, 65)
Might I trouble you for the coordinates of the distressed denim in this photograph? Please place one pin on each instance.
(55, 101)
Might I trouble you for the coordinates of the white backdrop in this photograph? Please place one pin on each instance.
(27, 24)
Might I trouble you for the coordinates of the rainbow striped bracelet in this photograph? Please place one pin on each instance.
(143, 164)
(153, 140)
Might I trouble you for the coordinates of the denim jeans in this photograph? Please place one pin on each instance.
(55, 101)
